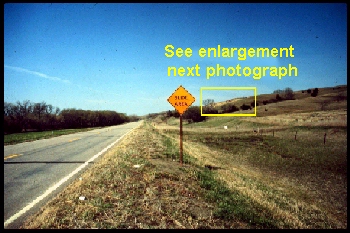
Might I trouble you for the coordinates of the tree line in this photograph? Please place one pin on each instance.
(29, 116)
(193, 113)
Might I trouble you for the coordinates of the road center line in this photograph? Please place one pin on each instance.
(53, 188)
(12, 156)
(74, 139)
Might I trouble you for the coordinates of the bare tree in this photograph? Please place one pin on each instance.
(57, 111)
(208, 102)
(9, 109)
(48, 109)
(39, 109)
(288, 93)
(208, 106)
(24, 109)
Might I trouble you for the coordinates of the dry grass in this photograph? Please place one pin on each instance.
(265, 180)
(159, 194)
(307, 190)
(286, 168)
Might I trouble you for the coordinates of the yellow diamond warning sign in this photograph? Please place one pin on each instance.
(181, 99)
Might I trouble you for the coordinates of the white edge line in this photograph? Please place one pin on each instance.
(51, 189)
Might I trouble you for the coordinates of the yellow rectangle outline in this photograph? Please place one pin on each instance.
(228, 88)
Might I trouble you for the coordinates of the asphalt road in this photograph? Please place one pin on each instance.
(35, 172)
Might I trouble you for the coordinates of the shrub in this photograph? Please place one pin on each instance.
(315, 92)
(308, 91)
(176, 114)
(278, 97)
(245, 107)
(234, 108)
(170, 113)
(210, 111)
(227, 108)
(194, 113)
(288, 94)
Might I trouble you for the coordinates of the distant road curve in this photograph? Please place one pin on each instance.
(34, 172)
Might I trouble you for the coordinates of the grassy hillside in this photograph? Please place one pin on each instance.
(303, 102)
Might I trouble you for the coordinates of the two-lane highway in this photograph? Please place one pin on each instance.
(36, 171)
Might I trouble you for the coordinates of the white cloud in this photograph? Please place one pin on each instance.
(19, 69)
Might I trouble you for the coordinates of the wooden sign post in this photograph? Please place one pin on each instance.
(181, 100)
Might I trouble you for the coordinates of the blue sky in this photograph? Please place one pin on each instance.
(112, 56)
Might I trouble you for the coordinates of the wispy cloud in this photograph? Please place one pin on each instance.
(42, 75)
